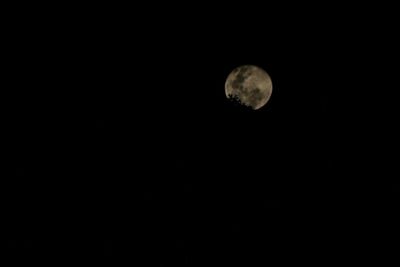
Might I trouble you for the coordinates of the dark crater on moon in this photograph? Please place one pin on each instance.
(255, 96)
(240, 77)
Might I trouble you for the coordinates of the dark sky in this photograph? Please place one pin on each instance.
(127, 149)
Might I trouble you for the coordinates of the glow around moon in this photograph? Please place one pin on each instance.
(250, 85)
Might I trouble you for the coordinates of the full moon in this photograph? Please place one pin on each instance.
(250, 85)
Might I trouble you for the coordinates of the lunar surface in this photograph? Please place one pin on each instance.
(249, 85)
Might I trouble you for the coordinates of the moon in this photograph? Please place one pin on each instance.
(250, 85)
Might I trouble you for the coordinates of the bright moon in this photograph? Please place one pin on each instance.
(250, 85)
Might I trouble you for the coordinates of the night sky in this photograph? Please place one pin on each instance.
(128, 150)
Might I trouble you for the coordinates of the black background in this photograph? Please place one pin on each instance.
(125, 148)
